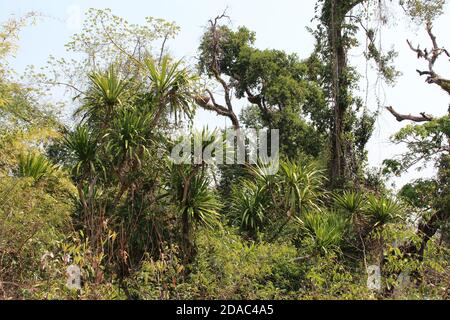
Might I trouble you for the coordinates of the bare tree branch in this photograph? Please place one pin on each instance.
(401, 117)
(210, 103)
(431, 55)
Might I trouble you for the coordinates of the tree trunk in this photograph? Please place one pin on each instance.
(339, 90)
(187, 245)
(426, 230)
(186, 235)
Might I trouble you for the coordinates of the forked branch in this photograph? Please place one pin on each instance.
(431, 55)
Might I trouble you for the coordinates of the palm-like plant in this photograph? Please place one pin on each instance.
(301, 186)
(108, 86)
(170, 85)
(208, 147)
(84, 147)
(382, 211)
(106, 92)
(264, 176)
(212, 145)
(201, 204)
(35, 166)
(129, 136)
(190, 190)
(326, 229)
(294, 190)
(249, 204)
(349, 202)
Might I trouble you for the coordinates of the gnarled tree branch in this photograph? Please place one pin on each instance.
(431, 55)
(209, 103)
(401, 117)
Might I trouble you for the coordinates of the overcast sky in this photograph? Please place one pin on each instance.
(279, 24)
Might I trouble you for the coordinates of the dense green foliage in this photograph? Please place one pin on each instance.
(104, 193)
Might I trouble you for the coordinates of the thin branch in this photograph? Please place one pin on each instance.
(162, 48)
(119, 47)
(58, 83)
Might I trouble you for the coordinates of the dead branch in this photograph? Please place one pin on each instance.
(431, 55)
(401, 117)
(209, 102)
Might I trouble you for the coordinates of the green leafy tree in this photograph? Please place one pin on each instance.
(277, 85)
(350, 122)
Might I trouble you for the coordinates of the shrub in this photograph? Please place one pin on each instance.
(326, 230)
(32, 216)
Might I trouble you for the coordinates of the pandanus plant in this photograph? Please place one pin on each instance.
(291, 192)
(326, 229)
(349, 202)
(296, 186)
(372, 210)
(120, 118)
(170, 87)
(351, 205)
(301, 186)
(189, 187)
(34, 165)
(106, 93)
(128, 138)
(192, 193)
(249, 204)
(83, 146)
(87, 169)
(87, 164)
(381, 211)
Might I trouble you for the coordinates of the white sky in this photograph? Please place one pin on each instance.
(279, 24)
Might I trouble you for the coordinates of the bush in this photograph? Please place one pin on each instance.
(226, 267)
(32, 216)
(325, 230)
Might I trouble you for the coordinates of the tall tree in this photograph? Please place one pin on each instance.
(338, 27)
(281, 89)
(211, 60)
(340, 20)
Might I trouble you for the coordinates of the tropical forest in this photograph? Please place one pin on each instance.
(119, 179)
